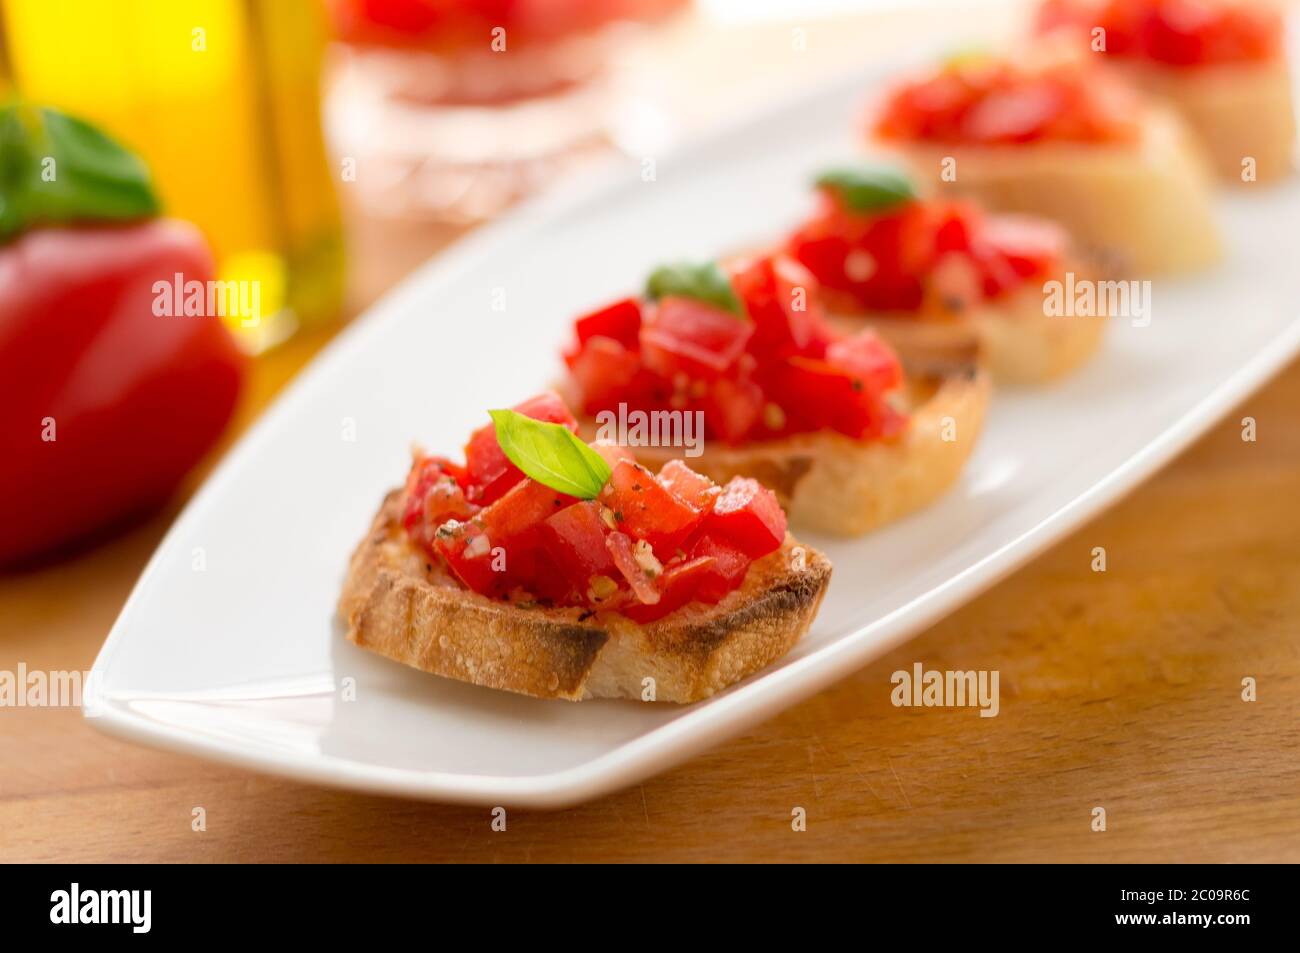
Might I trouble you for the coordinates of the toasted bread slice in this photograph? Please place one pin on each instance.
(1237, 111)
(397, 603)
(1020, 341)
(833, 484)
(1143, 208)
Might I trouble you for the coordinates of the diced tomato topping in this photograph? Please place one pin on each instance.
(742, 371)
(986, 100)
(489, 472)
(1177, 33)
(621, 548)
(748, 515)
(647, 509)
(678, 585)
(620, 321)
(941, 251)
(646, 546)
(686, 336)
(574, 539)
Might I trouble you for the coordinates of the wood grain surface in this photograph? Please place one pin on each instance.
(1120, 689)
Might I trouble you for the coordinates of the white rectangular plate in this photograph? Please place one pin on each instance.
(244, 661)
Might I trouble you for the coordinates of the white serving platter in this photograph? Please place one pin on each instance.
(243, 660)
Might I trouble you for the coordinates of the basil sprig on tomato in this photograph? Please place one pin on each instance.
(705, 282)
(56, 169)
(868, 188)
(551, 454)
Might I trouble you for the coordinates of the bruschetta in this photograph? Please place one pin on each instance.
(552, 568)
(1219, 63)
(924, 269)
(846, 433)
(1057, 135)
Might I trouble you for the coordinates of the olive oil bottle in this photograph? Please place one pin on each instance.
(222, 99)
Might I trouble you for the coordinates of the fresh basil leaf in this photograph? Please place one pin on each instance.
(56, 169)
(868, 188)
(706, 282)
(551, 454)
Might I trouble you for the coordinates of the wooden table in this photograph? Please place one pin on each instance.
(1119, 689)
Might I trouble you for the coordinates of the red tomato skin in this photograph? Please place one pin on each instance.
(725, 573)
(136, 399)
(783, 299)
(748, 515)
(694, 489)
(645, 509)
(620, 321)
(574, 539)
(605, 372)
(683, 335)
(489, 472)
(733, 408)
(434, 493)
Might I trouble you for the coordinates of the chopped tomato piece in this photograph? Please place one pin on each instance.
(620, 321)
(677, 586)
(687, 336)
(816, 394)
(433, 493)
(621, 548)
(868, 359)
(645, 508)
(687, 485)
(748, 515)
(606, 372)
(574, 539)
(732, 408)
(523, 507)
(467, 551)
(490, 473)
(783, 300)
(727, 569)
(1031, 246)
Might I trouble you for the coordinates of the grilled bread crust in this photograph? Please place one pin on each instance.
(399, 604)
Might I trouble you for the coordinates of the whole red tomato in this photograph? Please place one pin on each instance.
(104, 403)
